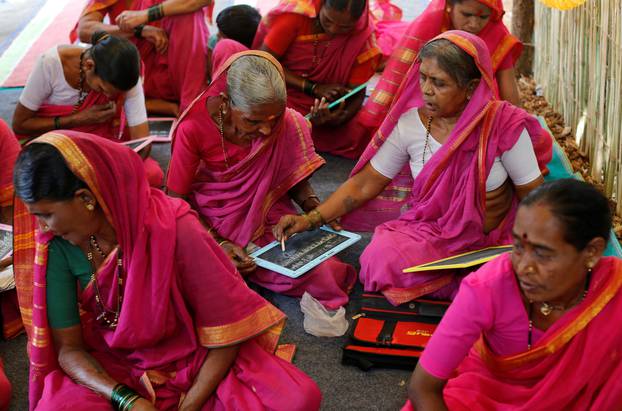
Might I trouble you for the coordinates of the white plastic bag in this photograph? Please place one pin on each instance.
(321, 322)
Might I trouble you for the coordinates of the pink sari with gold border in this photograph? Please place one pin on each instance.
(173, 311)
(575, 366)
(179, 74)
(338, 55)
(441, 213)
(243, 202)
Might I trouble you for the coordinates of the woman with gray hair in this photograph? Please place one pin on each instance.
(240, 157)
(441, 177)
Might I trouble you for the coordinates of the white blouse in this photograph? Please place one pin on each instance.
(407, 140)
(47, 85)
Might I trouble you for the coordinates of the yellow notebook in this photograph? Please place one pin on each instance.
(470, 259)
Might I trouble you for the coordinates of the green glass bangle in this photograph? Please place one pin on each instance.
(56, 122)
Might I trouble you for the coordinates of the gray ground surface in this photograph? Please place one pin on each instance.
(344, 388)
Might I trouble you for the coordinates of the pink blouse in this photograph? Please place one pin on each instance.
(489, 303)
(198, 143)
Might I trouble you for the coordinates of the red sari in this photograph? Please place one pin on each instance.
(179, 74)
(442, 211)
(325, 59)
(503, 47)
(173, 311)
(575, 366)
(244, 201)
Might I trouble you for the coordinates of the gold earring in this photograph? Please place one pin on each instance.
(90, 207)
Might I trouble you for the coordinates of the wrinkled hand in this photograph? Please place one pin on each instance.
(330, 92)
(99, 113)
(242, 261)
(143, 405)
(289, 225)
(157, 37)
(129, 19)
(321, 115)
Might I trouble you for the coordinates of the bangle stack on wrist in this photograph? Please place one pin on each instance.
(138, 31)
(308, 87)
(155, 12)
(314, 218)
(123, 397)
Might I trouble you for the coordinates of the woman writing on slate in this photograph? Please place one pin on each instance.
(450, 155)
(240, 157)
(536, 329)
(122, 315)
(326, 47)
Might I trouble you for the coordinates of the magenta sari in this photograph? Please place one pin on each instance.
(575, 366)
(338, 55)
(180, 73)
(173, 310)
(446, 202)
(114, 130)
(243, 202)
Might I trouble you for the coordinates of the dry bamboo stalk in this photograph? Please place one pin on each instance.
(578, 61)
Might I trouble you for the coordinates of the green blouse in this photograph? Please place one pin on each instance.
(67, 265)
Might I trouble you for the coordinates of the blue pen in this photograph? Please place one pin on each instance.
(342, 98)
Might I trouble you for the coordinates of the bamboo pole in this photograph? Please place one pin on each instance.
(578, 61)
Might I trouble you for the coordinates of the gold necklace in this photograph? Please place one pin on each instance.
(106, 317)
(426, 146)
(546, 309)
(221, 128)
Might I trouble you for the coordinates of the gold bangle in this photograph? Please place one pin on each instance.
(315, 218)
(222, 242)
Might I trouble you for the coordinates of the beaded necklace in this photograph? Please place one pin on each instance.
(108, 318)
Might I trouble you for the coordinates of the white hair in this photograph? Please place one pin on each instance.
(254, 80)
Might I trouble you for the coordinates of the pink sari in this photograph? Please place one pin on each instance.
(339, 55)
(575, 366)
(173, 310)
(9, 150)
(114, 130)
(243, 202)
(180, 73)
(446, 202)
(433, 21)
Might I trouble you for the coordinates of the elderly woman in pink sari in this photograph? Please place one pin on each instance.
(325, 47)
(532, 330)
(171, 36)
(240, 157)
(483, 18)
(120, 315)
(443, 174)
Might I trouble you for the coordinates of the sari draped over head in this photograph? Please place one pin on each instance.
(9, 149)
(433, 21)
(443, 210)
(236, 201)
(576, 365)
(159, 344)
(180, 73)
(243, 201)
(338, 53)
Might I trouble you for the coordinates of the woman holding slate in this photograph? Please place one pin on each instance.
(451, 155)
(240, 157)
(326, 47)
